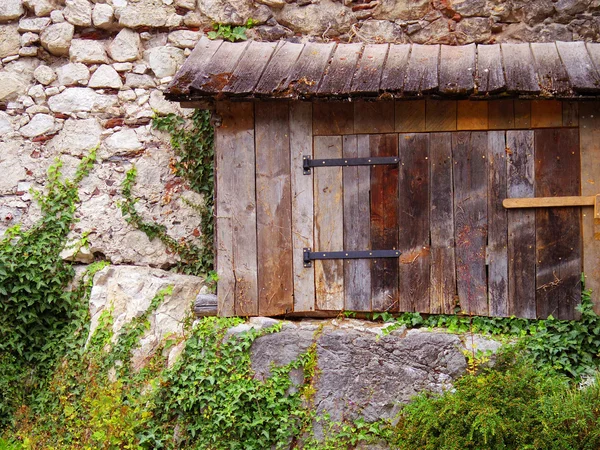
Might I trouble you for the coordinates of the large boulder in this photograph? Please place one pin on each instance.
(10, 10)
(125, 46)
(57, 38)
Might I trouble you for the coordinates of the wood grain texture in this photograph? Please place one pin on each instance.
(410, 116)
(589, 136)
(443, 263)
(413, 239)
(570, 114)
(357, 226)
(338, 77)
(384, 223)
(521, 225)
(302, 204)
(305, 76)
(470, 219)
(558, 234)
(550, 70)
(278, 69)
(374, 117)
(236, 210)
(519, 69)
(392, 77)
(490, 74)
(546, 113)
(333, 118)
(440, 115)
(457, 69)
(329, 229)
(368, 70)
(202, 53)
(582, 74)
(422, 73)
(550, 202)
(250, 67)
(471, 115)
(497, 225)
(501, 115)
(522, 109)
(274, 208)
(217, 72)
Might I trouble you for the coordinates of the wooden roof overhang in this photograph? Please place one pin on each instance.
(220, 70)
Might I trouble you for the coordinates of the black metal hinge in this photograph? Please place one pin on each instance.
(308, 162)
(358, 254)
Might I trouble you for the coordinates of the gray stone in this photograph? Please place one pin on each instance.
(134, 80)
(37, 93)
(123, 142)
(138, 15)
(269, 33)
(380, 31)
(57, 16)
(474, 29)
(10, 10)
(102, 15)
(227, 11)
(184, 38)
(75, 253)
(470, 8)
(160, 105)
(28, 51)
(11, 85)
(186, 4)
(41, 7)
(436, 32)
(78, 12)
(315, 19)
(29, 38)
(125, 46)
(77, 137)
(10, 40)
(39, 124)
(73, 100)
(272, 3)
(164, 61)
(401, 9)
(105, 77)
(571, 7)
(33, 24)
(5, 124)
(87, 51)
(57, 38)
(73, 74)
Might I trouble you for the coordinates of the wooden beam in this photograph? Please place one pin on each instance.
(550, 202)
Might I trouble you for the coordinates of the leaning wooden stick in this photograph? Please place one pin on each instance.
(554, 202)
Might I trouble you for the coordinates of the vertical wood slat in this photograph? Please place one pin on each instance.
(413, 241)
(410, 116)
(558, 233)
(236, 211)
(470, 216)
(329, 217)
(443, 263)
(521, 225)
(384, 224)
(497, 225)
(570, 114)
(302, 204)
(357, 233)
(522, 110)
(274, 204)
(589, 137)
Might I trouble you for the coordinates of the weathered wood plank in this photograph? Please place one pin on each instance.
(472, 115)
(202, 53)
(422, 73)
(273, 205)
(551, 73)
(501, 115)
(368, 70)
(521, 225)
(457, 69)
(546, 113)
(357, 230)
(374, 117)
(396, 65)
(278, 69)
(490, 74)
(519, 69)
(302, 204)
(440, 115)
(497, 225)
(307, 72)
(219, 70)
(558, 233)
(550, 202)
(384, 224)
(236, 210)
(329, 219)
(570, 114)
(522, 110)
(470, 219)
(589, 136)
(338, 77)
(413, 241)
(410, 116)
(250, 67)
(443, 264)
(579, 66)
(333, 118)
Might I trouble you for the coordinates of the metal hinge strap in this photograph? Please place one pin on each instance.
(357, 254)
(308, 162)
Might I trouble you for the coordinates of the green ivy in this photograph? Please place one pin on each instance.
(228, 33)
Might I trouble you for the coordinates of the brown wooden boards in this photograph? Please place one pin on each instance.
(413, 209)
(422, 73)
(443, 265)
(570, 112)
(368, 70)
(551, 73)
(373, 117)
(501, 115)
(274, 203)
(309, 68)
(546, 114)
(521, 225)
(236, 210)
(333, 118)
(522, 109)
(490, 75)
(589, 136)
(278, 69)
(472, 115)
(580, 68)
(338, 77)
(302, 204)
(440, 115)
(558, 230)
(329, 219)
(519, 69)
(469, 150)
(202, 53)
(497, 225)
(216, 73)
(410, 116)
(384, 223)
(250, 67)
(357, 234)
(392, 78)
(457, 69)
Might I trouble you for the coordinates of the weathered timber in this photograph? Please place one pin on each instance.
(551, 73)
(522, 110)
(410, 116)
(218, 72)
(200, 56)
(333, 118)
(440, 115)
(471, 115)
(250, 67)
(519, 69)
(501, 114)
(374, 117)
(490, 74)
(338, 77)
(550, 202)
(546, 113)
(579, 66)
(274, 204)
(368, 70)
(570, 112)
(457, 69)
(278, 69)
(305, 76)
(422, 73)
(392, 77)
